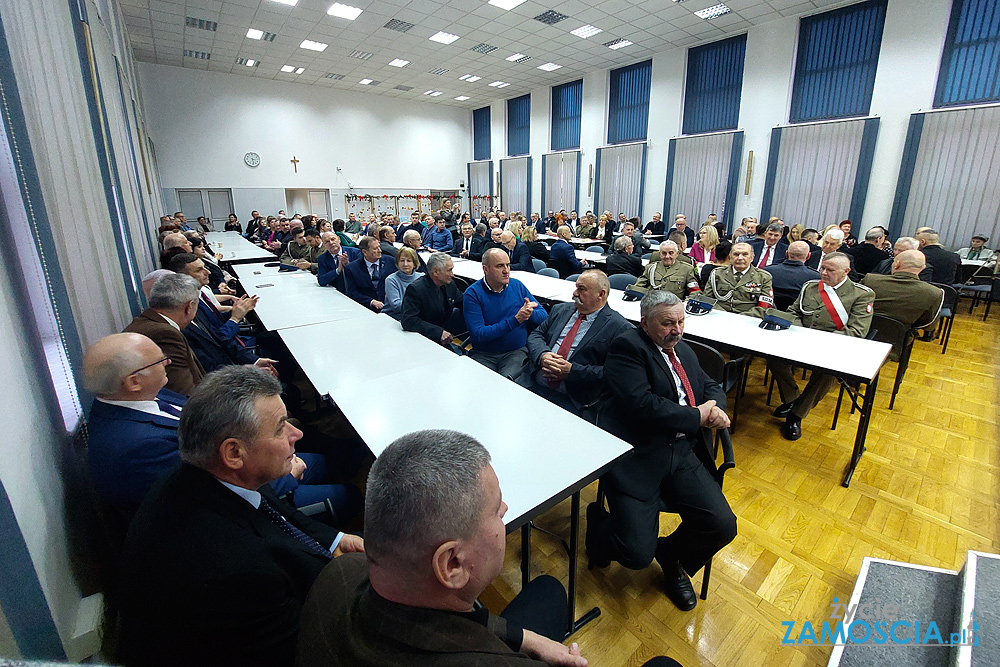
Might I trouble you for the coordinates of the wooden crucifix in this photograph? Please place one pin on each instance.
(295, 163)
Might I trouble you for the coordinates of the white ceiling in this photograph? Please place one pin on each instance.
(158, 34)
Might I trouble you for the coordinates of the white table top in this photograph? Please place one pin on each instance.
(235, 248)
(591, 256)
(536, 459)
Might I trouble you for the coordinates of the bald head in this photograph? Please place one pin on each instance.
(508, 240)
(797, 251)
(150, 279)
(909, 261)
(176, 240)
(114, 359)
(564, 232)
(928, 238)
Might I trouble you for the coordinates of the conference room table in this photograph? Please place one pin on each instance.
(235, 249)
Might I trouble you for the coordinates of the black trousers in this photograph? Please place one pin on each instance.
(688, 489)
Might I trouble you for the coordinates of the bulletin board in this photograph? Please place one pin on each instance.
(407, 204)
(359, 205)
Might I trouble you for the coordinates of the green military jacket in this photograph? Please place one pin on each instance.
(905, 297)
(678, 278)
(749, 294)
(808, 309)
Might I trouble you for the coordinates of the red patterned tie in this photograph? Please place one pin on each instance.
(763, 260)
(691, 400)
(566, 346)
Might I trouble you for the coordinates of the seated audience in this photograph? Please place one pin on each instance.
(833, 241)
(386, 240)
(640, 244)
(680, 225)
(173, 304)
(332, 261)
(794, 234)
(657, 398)
(869, 254)
(788, 277)
(150, 279)
(365, 281)
(903, 296)
(562, 256)
(811, 236)
(585, 228)
(429, 303)
(667, 273)
(703, 250)
(623, 260)
(945, 265)
(749, 227)
(225, 325)
(218, 278)
(849, 239)
(497, 311)
(741, 288)
(467, 242)
(303, 250)
(216, 568)
(232, 224)
(353, 225)
(566, 353)
(177, 240)
(681, 241)
(833, 303)
(536, 248)
(520, 256)
(770, 249)
(977, 250)
(723, 258)
(656, 226)
(439, 238)
(397, 283)
(338, 229)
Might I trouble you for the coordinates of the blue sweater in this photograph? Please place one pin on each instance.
(439, 241)
(490, 316)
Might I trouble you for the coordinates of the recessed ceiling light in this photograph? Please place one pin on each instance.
(251, 63)
(506, 4)
(403, 88)
(360, 55)
(471, 78)
(462, 98)
(334, 76)
(200, 55)
(549, 67)
(399, 62)
(712, 12)
(203, 24)
(397, 25)
(585, 31)
(551, 17)
(253, 33)
(313, 46)
(443, 37)
(433, 93)
(300, 70)
(344, 11)
(287, 68)
(616, 44)
(499, 84)
(290, 3)
(518, 58)
(484, 48)
(440, 71)
(365, 82)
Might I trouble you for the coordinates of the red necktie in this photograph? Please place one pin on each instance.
(676, 363)
(566, 346)
(763, 260)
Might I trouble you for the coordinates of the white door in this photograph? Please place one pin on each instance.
(220, 205)
(319, 203)
(191, 204)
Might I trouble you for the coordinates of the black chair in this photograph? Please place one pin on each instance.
(947, 317)
(784, 298)
(994, 295)
(729, 374)
(853, 389)
(596, 248)
(901, 337)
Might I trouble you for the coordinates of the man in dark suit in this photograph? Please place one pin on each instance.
(770, 249)
(869, 254)
(224, 325)
(681, 225)
(215, 568)
(173, 303)
(657, 398)
(655, 226)
(386, 239)
(788, 277)
(365, 281)
(468, 245)
(562, 256)
(430, 302)
(902, 244)
(566, 352)
(945, 265)
(624, 260)
(333, 261)
(520, 256)
(832, 241)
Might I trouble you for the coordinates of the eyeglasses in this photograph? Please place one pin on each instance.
(164, 360)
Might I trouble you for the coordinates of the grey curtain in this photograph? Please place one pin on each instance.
(480, 175)
(515, 188)
(562, 172)
(621, 174)
(700, 176)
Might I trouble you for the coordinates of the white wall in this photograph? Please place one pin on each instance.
(203, 123)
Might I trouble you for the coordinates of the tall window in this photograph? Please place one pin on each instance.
(836, 62)
(567, 105)
(628, 103)
(481, 134)
(519, 125)
(969, 70)
(714, 84)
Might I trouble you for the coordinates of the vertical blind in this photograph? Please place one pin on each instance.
(519, 125)
(481, 134)
(621, 172)
(701, 177)
(515, 185)
(949, 175)
(713, 87)
(567, 107)
(836, 62)
(628, 103)
(480, 187)
(560, 181)
(813, 176)
(970, 72)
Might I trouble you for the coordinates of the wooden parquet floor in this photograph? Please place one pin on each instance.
(926, 491)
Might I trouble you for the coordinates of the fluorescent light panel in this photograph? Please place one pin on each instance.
(253, 33)
(290, 3)
(313, 46)
(517, 58)
(549, 67)
(433, 93)
(250, 63)
(507, 4)
(287, 68)
(462, 98)
(399, 62)
(616, 44)
(344, 11)
(712, 12)
(471, 78)
(365, 82)
(300, 70)
(443, 37)
(585, 31)
(499, 84)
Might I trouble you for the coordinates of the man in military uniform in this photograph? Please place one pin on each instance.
(669, 274)
(741, 288)
(833, 303)
(904, 296)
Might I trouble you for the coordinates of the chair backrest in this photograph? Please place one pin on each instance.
(596, 248)
(995, 289)
(551, 273)
(889, 330)
(784, 298)
(572, 278)
(621, 280)
(710, 360)
(648, 255)
(950, 295)
(538, 264)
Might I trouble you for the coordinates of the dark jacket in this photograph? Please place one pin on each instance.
(787, 280)
(655, 227)
(563, 259)
(520, 258)
(689, 233)
(538, 250)
(758, 251)
(866, 257)
(358, 282)
(212, 351)
(327, 274)
(476, 247)
(428, 308)
(945, 265)
(184, 370)
(388, 249)
(624, 263)
(209, 580)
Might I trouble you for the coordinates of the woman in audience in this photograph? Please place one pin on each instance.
(233, 224)
(396, 284)
(324, 226)
(794, 233)
(703, 250)
(537, 249)
(850, 240)
(516, 228)
(602, 232)
(720, 259)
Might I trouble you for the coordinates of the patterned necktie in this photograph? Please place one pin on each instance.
(679, 369)
(565, 346)
(292, 531)
(374, 274)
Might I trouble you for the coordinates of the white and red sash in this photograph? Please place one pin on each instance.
(833, 304)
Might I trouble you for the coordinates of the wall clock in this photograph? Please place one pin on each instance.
(251, 159)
